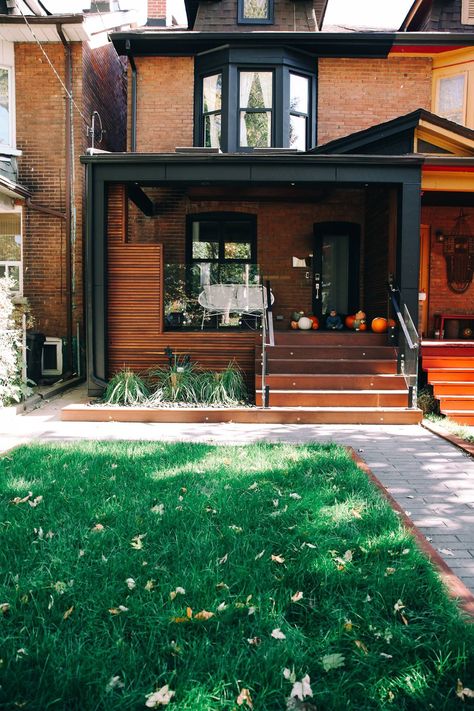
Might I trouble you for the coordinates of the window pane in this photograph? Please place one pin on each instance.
(3, 271)
(298, 132)
(238, 231)
(255, 129)
(4, 107)
(256, 90)
(10, 248)
(237, 250)
(212, 131)
(451, 98)
(212, 93)
(255, 9)
(205, 240)
(14, 273)
(299, 93)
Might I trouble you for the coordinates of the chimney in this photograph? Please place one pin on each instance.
(156, 13)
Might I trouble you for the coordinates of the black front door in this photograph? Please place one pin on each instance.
(336, 263)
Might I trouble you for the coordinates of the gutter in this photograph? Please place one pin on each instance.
(68, 196)
(134, 97)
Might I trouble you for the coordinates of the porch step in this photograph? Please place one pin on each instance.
(334, 338)
(334, 398)
(337, 352)
(328, 381)
(334, 365)
(450, 369)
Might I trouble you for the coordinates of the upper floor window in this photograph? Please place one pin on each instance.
(451, 98)
(5, 108)
(255, 109)
(257, 12)
(255, 99)
(10, 248)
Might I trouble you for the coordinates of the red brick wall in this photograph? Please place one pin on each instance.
(41, 135)
(354, 94)
(165, 103)
(157, 9)
(441, 298)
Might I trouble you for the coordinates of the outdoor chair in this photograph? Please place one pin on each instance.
(224, 299)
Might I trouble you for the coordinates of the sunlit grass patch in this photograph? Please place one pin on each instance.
(230, 576)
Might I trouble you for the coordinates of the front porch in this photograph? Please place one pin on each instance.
(325, 233)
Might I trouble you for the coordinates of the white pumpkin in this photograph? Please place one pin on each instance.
(305, 323)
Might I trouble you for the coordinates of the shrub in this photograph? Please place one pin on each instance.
(427, 402)
(12, 387)
(180, 382)
(126, 388)
(224, 388)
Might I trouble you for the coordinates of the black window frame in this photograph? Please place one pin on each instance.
(241, 109)
(210, 113)
(242, 20)
(229, 62)
(221, 218)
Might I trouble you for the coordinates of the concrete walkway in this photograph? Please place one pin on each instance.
(432, 480)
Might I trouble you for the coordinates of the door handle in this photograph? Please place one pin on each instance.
(317, 279)
(316, 296)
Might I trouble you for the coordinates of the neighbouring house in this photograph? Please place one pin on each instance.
(327, 162)
(62, 89)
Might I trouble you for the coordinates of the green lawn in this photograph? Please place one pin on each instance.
(107, 581)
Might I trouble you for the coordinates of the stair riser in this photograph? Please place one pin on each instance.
(332, 366)
(332, 382)
(317, 338)
(279, 399)
(451, 375)
(348, 352)
(454, 388)
(455, 403)
(463, 351)
(439, 362)
(461, 419)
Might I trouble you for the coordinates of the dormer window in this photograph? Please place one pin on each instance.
(246, 99)
(255, 12)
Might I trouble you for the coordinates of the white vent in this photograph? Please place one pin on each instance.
(52, 357)
(467, 15)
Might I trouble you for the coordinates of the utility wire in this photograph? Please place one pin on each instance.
(68, 94)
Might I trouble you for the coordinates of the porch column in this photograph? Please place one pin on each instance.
(409, 215)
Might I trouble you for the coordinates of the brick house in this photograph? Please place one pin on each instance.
(264, 148)
(43, 57)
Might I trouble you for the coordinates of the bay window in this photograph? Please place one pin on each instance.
(10, 249)
(255, 109)
(211, 110)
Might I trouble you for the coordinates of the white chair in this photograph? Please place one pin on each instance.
(224, 299)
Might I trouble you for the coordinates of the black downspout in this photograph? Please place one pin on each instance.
(68, 72)
(133, 137)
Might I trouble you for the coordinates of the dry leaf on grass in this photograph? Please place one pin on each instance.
(118, 610)
(295, 496)
(22, 500)
(150, 584)
(161, 697)
(222, 607)
(253, 486)
(389, 571)
(114, 683)
(177, 591)
(245, 698)
(4, 608)
(137, 541)
(203, 615)
(297, 596)
(223, 559)
(332, 661)
(278, 559)
(158, 509)
(463, 692)
(222, 586)
(68, 613)
(130, 583)
(260, 555)
(34, 503)
(254, 641)
(302, 688)
(278, 634)
(361, 646)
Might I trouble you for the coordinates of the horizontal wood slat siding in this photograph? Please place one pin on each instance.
(135, 309)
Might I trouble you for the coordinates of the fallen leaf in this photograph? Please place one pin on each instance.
(308, 545)
(137, 541)
(405, 551)
(356, 513)
(348, 625)
(332, 661)
(398, 606)
(462, 691)
(368, 598)
(295, 496)
(446, 551)
(386, 656)
(245, 698)
(161, 697)
(19, 500)
(189, 613)
(260, 555)
(297, 596)
(404, 619)
(118, 610)
(361, 646)
(347, 557)
(275, 502)
(68, 612)
(34, 503)
(253, 486)
(389, 571)
(177, 591)
(222, 607)
(278, 634)
(131, 584)
(203, 615)
(223, 559)
(114, 683)
(252, 610)
(158, 509)
(39, 532)
(98, 527)
(236, 529)
(180, 620)
(150, 584)
(4, 608)
(278, 559)
(302, 688)
(254, 641)
(290, 674)
(222, 586)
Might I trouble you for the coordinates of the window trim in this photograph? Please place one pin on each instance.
(13, 262)
(220, 217)
(242, 20)
(217, 112)
(438, 77)
(241, 109)
(11, 110)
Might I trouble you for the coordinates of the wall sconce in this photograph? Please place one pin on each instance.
(439, 235)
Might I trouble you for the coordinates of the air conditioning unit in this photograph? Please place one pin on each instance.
(52, 357)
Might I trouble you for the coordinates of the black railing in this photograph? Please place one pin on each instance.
(268, 338)
(408, 344)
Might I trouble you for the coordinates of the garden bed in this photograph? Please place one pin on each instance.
(220, 577)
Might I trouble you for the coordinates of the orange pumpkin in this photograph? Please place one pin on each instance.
(315, 321)
(379, 325)
(363, 326)
(349, 321)
(294, 324)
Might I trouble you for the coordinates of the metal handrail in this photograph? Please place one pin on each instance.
(267, 331)
(408, 350)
